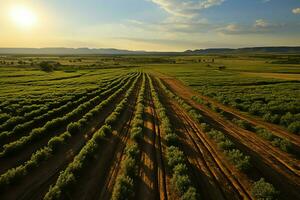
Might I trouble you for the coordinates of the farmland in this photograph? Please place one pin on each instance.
(149, 127)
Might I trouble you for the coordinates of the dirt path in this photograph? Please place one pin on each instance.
(187, 93)
(284, 167)
(37, 183)
(215, 178)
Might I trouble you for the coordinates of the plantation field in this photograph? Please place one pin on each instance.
(149, 127)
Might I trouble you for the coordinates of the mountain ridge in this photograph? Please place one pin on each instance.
(113, 51)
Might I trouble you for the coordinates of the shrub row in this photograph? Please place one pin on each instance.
(282, 114)
(180, 180)
(124, 187)
(57, 123)
(241, 161)
(39, 120)
(67, 178)
(54, 143)
(235, 156)
(281, 143)
(260, 189)
(192, 112)
(4, 117)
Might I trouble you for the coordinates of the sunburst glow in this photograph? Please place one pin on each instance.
(23, 16)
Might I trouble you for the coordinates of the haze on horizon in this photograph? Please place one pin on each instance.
(159, 25)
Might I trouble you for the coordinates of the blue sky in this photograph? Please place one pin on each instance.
(160, 25)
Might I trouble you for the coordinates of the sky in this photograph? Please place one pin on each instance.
(153, 25)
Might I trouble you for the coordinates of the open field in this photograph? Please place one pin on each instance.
(150, 127)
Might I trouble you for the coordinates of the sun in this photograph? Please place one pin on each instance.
(23, 16)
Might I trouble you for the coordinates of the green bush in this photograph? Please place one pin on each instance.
(226, 144)
(174, 156)
(205, 127)
(181, 183)
(262, 190)
(180, 169)
(130, 167)
(243, 124)
(124, 189)
(294, 127)
(55, 142)
(74, 128)
(190, 194)
(132, 151)
(136, 133)
(283, 144)
(172, 139)
(287, 119)
(264, 133)
(241, 161)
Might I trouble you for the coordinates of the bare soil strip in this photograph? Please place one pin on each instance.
(147, 182)
(220, 180)
(284, 169)
(160, 152)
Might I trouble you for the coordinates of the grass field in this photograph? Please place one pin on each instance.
(150, 127)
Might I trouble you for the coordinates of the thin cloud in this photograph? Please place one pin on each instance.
(261, 23)
(260, 26)
(296, 11)
(186, 8)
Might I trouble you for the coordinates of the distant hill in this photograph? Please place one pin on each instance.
(249, 50)
(108, 51)
(65, 51)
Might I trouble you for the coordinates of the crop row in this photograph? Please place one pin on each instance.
(260, 189)
(124, 187)
(13, 121)
(78, 127)
(38, 117)
(176, 160)
(57, 123)
(283, 113)
(20, 106)
(68, 177)
(281, 143)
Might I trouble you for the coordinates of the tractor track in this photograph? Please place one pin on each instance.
(285, 173)
(209, 160)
